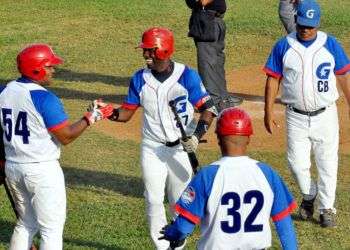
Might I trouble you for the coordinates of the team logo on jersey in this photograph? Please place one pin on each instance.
(323, 70)
(310, 13)
(188, 195)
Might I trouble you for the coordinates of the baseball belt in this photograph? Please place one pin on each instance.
(308, 113)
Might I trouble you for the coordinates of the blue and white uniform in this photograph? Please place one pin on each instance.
(164, 167)
(28, 114)
(308, 71)
(233, 200)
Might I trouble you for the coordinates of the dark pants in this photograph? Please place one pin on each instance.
(211, 63)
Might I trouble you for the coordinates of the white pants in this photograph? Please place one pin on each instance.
(321, 133)
(38, 190)
(162, 168)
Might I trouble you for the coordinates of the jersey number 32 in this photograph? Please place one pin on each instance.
(21, 128)
(236, 224)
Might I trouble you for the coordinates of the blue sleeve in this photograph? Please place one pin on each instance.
(192, 203)
(194, 85)
(283, 202)
(50, 107)
(274, 64)
(180, 229)
(342, 63)
(286, 233)
(136, 83)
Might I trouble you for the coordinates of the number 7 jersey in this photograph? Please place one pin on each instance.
(28, 113)
(233, 199)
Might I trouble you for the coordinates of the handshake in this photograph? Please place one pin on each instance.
(98, 110)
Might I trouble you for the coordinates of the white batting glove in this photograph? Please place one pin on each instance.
(191, 144)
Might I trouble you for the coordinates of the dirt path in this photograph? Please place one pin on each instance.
(248, 83)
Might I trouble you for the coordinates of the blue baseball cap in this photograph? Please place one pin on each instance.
(308, 13)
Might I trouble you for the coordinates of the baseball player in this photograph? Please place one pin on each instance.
(308, 64)
(35, 125)
(287, 11)
(234, 197)
(164, 163)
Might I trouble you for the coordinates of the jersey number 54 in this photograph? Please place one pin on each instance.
(21, 128)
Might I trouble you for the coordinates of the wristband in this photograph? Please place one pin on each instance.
(201, 129)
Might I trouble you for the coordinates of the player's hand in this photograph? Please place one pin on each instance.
(270, 123)
(97, 111)
(191, 144)
(171, 234)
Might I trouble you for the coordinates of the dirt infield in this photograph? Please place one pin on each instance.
(249, 83)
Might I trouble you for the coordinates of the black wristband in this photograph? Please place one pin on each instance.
(115, 115)
(201, 129)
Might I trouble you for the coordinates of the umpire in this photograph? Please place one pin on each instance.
(210, 47)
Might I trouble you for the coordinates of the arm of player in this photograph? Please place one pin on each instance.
(286, 233)
(178, 230)
(344, 83)
(271, 91)
(122, 115)
(70, 132)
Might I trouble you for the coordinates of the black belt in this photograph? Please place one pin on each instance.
(308, 113)
(172, 143)
(216, 13)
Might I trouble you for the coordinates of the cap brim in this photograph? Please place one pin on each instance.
(307, 22)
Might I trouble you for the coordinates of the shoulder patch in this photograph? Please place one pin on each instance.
(188, 195)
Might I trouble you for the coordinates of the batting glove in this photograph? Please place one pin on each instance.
(190, 144)
(98, 110)
(174, 236)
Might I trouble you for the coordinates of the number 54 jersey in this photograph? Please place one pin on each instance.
(233, 199)
(28, 113)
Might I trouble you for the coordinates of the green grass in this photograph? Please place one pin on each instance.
(97, 40)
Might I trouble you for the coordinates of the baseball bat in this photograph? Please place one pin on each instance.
(191, 156)
(13, 206)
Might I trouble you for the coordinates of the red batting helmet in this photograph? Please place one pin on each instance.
(161, 39)
(32, 60)
(234, 121)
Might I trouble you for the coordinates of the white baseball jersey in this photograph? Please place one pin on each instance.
(233, 200)
(184, 87)
(28, 113)
(308, 70)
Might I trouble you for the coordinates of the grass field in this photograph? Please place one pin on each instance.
(97, 40)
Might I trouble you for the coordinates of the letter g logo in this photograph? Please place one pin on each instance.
(323, 71)
(310, 13)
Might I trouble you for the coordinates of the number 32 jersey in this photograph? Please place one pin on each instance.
(233, 199)
(28, 114)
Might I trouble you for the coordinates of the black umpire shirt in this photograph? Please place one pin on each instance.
(217, 5)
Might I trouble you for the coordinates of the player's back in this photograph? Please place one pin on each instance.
(26, 137)
(238, 207)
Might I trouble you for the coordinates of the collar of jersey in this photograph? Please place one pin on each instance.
(24, 79)
(306, 43)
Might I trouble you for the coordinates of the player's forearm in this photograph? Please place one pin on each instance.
(121, 115)
(204, 123)
(271, 91)
(344, 83)
(69, 133)
(286, 233)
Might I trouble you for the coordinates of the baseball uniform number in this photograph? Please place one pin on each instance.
(21, 128)
(233, 211)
